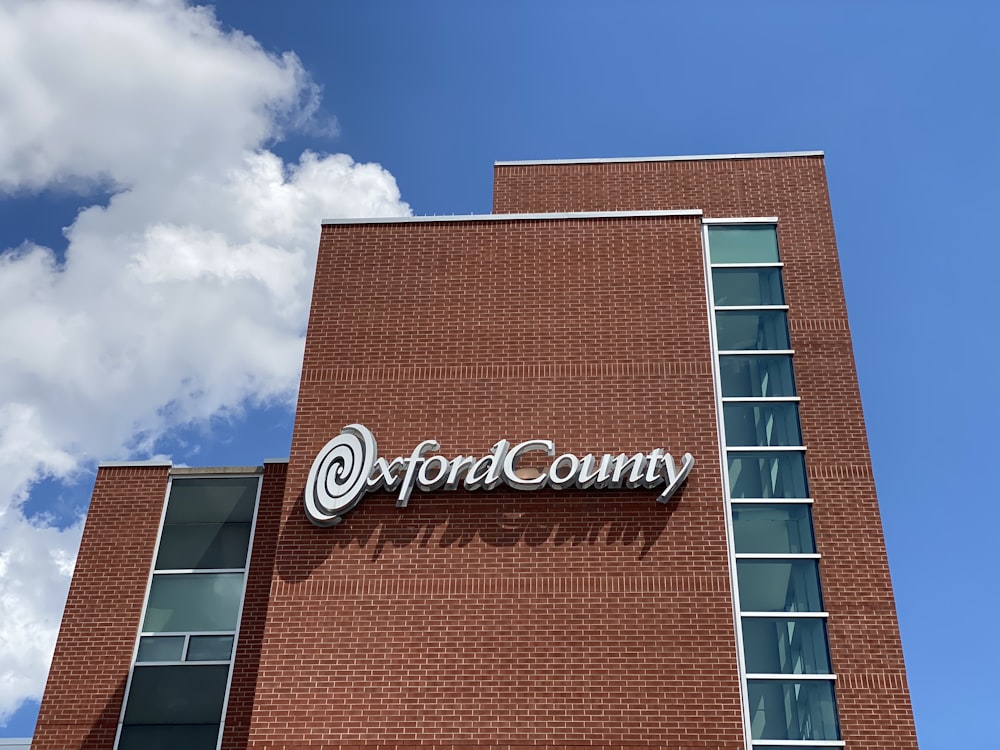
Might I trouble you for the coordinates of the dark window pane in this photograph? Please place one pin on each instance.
(169, 737)
(785, 646)
(210, 648)
(766, 475)
(792, 710)
(747, 243)
(775, 423)
(779, 585)
(203, 545)
(752, 329)
(177, 695)
(756, 375)
(747, 286)
(165, 648)
(193, 602)
(773, 528)
(218, 499)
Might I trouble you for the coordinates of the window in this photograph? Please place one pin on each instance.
(756, 376)
(774, 529)
(762, 423)
(177, 689)
(781, 710)
(783, 640)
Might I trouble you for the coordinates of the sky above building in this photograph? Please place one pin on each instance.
(164, 168)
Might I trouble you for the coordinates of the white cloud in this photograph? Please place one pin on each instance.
(182, 297)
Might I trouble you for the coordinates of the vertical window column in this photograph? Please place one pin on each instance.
(178, 686)
(785, 660)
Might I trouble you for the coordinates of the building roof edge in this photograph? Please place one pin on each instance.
(152, 462)
(552, 216)
(626, 159)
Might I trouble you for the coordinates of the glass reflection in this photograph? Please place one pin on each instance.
(756, 375)
(779, 529)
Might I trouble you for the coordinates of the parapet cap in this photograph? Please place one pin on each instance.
(627, 159)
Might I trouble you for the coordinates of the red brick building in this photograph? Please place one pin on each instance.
(547, 599)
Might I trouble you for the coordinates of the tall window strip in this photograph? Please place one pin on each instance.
(788, 678)
(178, 686)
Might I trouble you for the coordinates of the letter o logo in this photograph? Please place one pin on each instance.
(339, 476)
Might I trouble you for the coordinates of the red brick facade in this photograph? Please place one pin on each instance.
(505, 619)
(83, 696)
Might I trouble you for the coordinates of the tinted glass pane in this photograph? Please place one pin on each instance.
(177, 695)
(756, 376)
(747, 286)
(203, 545)
(784, 646)
(200, 499)
(167, 648)
(762, 424)
(752, 329)
(167, 737)
(766, 475)
(792, 710)
(773, 528)
(779, 585)
(743, 244)
(210, 648)
(192, 602)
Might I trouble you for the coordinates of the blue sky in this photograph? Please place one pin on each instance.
(900, 95)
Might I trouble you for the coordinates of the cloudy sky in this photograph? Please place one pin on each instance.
(164, 168)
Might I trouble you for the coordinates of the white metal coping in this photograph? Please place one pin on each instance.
(125, 464)
(553, 216)
(630, 159)
(22, 743)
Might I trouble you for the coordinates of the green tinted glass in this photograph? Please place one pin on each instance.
(756, 375)
(212, 499)
(779, 585)
(193, 602)
(210, 648)
(177, 695)
(785, 645)
(766, 475)
(747, 286)
(782, 710)
(746, 243)
(185, 546)
(169, 737)
(781, 529)
(163, 648)
(764, 424)
(752, 329)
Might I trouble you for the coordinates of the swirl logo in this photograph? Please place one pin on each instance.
(339, 476)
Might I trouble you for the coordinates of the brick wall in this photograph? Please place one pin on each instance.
(507, 619)
(865, 648)
(86, 683)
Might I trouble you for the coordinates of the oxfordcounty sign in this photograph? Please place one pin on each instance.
(349, 466)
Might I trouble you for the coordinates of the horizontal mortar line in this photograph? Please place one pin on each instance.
(505, 372)
(583, 584)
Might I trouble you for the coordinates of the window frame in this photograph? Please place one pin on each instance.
(725, 451)
(258, 474)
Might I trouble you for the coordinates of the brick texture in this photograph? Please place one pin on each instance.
(873, 697)
(86, 684)
(507, 619)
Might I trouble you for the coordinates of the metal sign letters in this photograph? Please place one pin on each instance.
(349, 466)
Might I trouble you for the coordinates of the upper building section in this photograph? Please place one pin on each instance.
(743, 185)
